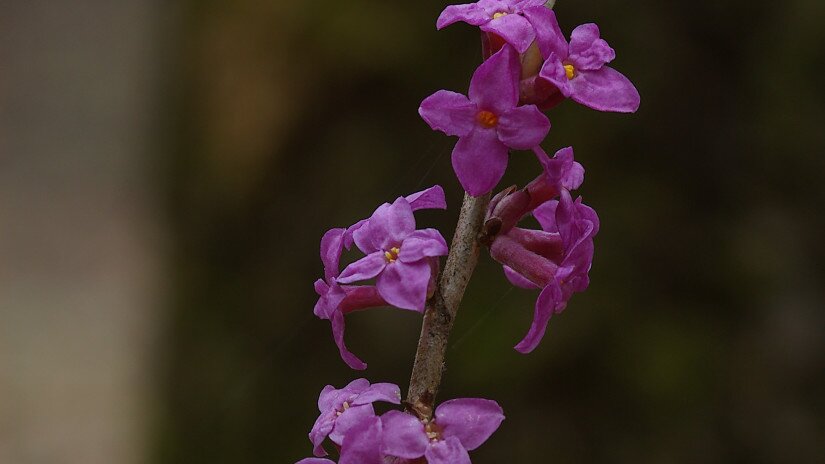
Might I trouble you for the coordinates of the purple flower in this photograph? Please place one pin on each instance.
(556, 259)
(458, 426)
(515, 21)
(487, 123)
(579, 70)
(343, 409)
(400, 257)
(336, 300)
(315, 461)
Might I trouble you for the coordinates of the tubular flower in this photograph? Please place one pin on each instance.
(458, 426)
(342, 410)
(335, 300)
(556, 260)
(400, 257)
(579, 69)
(515, 21)
(488, 123)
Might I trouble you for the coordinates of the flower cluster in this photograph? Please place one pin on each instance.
(349, 421)
(529, 67)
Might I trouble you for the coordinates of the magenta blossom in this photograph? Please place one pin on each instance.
(343, 409)
(337, 300)
(315, 461)
(458, 426)
(399, 257)
(556, 259)
(515, 21)
(579, 70)
(488, 123)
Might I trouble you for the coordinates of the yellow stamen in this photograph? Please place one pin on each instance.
(487, 119)
(499, 14)
(392, 255)
(570, 71)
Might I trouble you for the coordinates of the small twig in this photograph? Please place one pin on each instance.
(442, 307)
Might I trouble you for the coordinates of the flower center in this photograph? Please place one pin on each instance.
(344, 407)
(433, 431)
(499, 14)
(391, 256)
(487, 119)
(570, 71)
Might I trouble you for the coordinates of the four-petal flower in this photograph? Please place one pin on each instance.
(458, 426)
(344, 408)
(488, 123)
(400, 257)
(579, 69)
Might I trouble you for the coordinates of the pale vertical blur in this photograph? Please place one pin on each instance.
(78, 243)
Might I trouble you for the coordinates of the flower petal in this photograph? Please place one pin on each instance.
(390, 224)
(404, 435)
(326, 400)
(449, 112)
(605, 90)
(515, 29)
(546, 305)
(587, 50)
(388, 392)
(365, 268)
(348, 419)
(523, 128)
(553, 71)
(422, 244)
(353, 236)
(404, 285)
(330, 301)
(469, 13)
(332, 244)
(350, 359)
(562, 169)
(362, 444)
(447, 451)
(315, 461)
(479, 160)
(494, 86)
(431, 198)
(471, 420)
(548, 33)
(518, 280)
(546, 215)
(322, 427)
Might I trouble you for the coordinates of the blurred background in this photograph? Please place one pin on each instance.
(167, 170)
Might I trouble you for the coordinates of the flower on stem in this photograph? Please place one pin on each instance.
(342, 410)
(458, 426)
(400, 258)
(515, 21)
(556, 260)
(337, 300)
(488, 123)
(579, 69)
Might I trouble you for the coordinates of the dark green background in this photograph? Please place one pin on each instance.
(701, 336)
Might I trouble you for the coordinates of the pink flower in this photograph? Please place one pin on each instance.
(458, 426)
(343, 409)
(579, 70)
(488, 123)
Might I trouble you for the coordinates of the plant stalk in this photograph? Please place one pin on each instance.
(441, 309)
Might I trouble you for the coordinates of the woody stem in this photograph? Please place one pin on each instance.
(442, 307)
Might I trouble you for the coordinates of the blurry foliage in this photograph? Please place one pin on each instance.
(701, 337)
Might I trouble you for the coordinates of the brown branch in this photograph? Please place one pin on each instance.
(442, 307)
